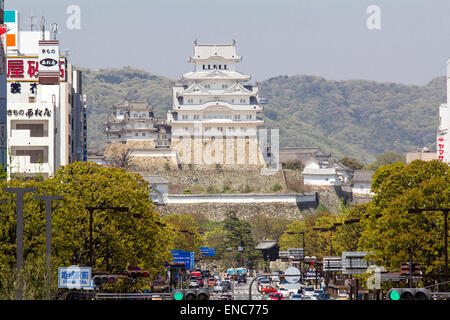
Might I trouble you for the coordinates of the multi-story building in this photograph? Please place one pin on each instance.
(45, 106)
(132, 128)
(443, 137)
(214, 113)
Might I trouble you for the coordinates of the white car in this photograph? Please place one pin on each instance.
(308, 291)
(218, 288)
(285, 292)
(193, 284)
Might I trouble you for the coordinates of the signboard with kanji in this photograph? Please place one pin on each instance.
(74, 277)
(49, 62)
(26, 68)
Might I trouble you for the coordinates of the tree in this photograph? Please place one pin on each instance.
(264, 227)
(118, 238)
(352, 163)
(390, 232)
(185, 232)
(121, 157)
(386, 159)
(239, 235)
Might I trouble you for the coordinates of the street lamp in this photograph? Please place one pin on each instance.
(445, 211)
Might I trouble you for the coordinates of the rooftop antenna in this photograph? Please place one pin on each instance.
(234, 42)
(55, 30)
(33, 23)
(195, 41)
(43, 28)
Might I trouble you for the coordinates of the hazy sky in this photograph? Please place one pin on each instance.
(277, 37)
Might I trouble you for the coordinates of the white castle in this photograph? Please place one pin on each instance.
(213, 119)
(214, 115)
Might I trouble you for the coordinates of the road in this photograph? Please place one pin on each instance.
(239, 291)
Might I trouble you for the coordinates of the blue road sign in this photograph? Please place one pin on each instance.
(186, 257)
(74, 277)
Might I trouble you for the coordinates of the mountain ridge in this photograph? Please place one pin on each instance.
(355, 118)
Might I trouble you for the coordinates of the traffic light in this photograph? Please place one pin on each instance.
(409, 294)
(191, 294)
(105, 279)
(137, 273)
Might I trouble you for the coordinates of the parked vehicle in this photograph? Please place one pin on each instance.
(297, 296)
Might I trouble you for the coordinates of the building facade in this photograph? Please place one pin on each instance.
(132, 128)
(45, 106)
(214, 114)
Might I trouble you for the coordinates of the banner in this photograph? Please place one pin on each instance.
(48, 62)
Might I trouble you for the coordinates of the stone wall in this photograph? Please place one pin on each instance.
(242, 179)
(218, 211)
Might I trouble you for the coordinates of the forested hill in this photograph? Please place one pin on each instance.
(355, 118)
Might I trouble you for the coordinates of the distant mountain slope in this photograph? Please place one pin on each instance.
(356, 118)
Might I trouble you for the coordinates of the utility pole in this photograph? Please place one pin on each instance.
(20, 192)
(48, 231)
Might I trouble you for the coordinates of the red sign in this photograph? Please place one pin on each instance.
(27, 69)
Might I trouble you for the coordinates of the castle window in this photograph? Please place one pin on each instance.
(209, 66)
(203, 67)
(220, 66)
(215, 66)
(225, 67)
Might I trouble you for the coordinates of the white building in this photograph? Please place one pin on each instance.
(214, 114)
(46, 111)
(443, 139)
(318, 173)
(134, 121)
(362, 183)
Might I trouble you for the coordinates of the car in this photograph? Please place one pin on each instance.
(226, 284)
(285, 292)
(193, 284)
(211, 282)
(225, 296)
(276, 296)
(264, 281)
(242, 279)
(268, 289)
(309, 297)
(218, 288)
(297, 296)
(206, 273)
(199, 280)
(308, 291)
(323, 296)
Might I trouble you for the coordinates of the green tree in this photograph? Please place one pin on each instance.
(118, 238)
(185, 232)
(386, 159)
(390, 232)
(239, 235)
(351, 163)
